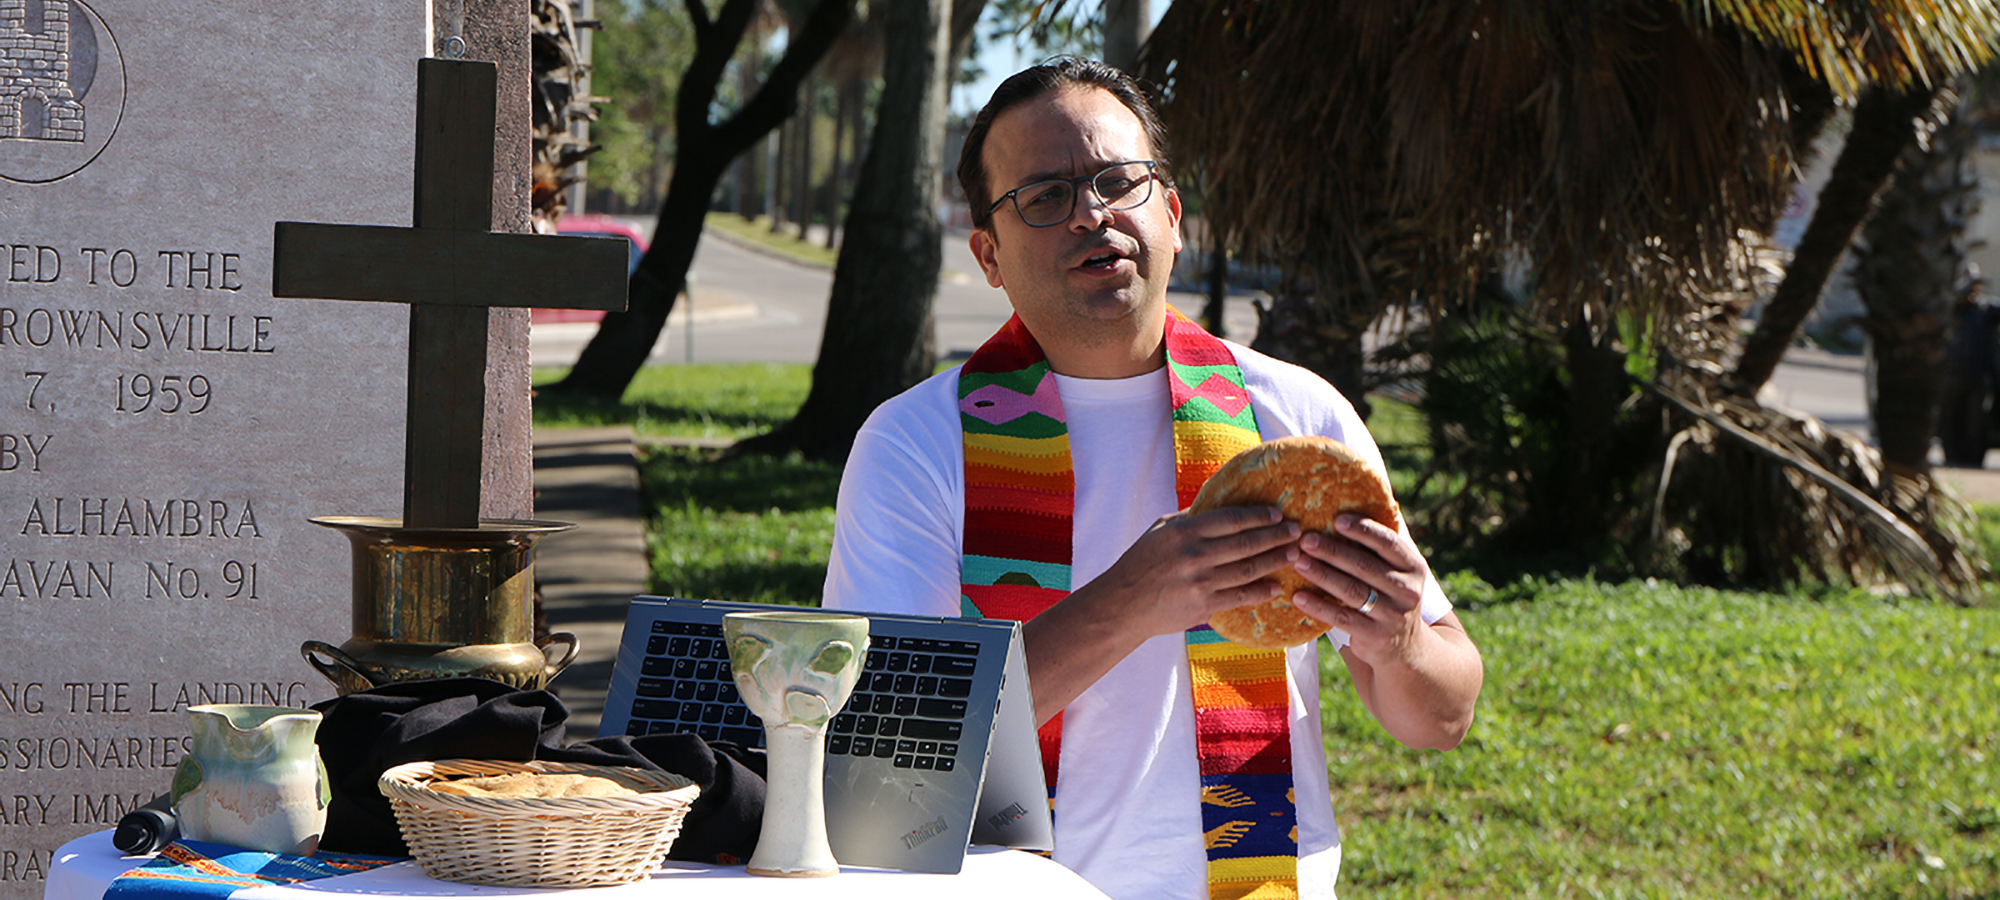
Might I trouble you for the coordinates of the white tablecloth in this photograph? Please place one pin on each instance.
(85, 867)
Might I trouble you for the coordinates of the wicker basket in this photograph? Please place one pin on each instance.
(530, 842)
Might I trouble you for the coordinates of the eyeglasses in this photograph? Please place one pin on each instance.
(1045, 203)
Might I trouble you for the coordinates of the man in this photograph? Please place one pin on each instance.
(1042, 479)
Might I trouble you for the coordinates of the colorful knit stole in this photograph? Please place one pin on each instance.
(1020, 495)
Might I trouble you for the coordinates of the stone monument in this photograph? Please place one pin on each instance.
(169, 425)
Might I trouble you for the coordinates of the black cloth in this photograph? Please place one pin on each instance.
(366, 733)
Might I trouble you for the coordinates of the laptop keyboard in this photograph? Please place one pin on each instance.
(685, 685)
(908, 706)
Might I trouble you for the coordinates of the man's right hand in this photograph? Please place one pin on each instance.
(1187, 568)
(1182, 571)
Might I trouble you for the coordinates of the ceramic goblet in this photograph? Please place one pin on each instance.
(795, 670)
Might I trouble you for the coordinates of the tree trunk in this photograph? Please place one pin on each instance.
(802, 192)
(836, 178)
(1580, 481)
(626, 337)
(964, 16)
(704, 149)
(864, 131)
(749, 166)
(1965, 419)
(1912, 271)
(879, 339)
(1306, 327)
(1126, 24)
(1884, 123)
(657, 136)
(739, 186)
(781, 175)
(1218, 278)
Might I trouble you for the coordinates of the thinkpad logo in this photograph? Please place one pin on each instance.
(1006, 817)
(922, 833)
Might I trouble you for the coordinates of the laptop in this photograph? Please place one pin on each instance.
(935, 749)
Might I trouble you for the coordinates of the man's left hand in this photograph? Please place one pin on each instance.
(1419, 680)
(1371, 583)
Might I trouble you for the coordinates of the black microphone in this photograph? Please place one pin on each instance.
(148, 828)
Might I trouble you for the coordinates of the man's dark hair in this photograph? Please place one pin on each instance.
(1028, 84)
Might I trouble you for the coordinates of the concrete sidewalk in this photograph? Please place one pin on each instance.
(588, 575)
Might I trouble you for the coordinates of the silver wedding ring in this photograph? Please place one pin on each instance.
(1368, 605)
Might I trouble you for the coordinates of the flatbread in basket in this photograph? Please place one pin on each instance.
(503, 835)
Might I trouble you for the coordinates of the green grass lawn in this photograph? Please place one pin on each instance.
(1643, 740)
(754, 529)
(1633, 740)
(695, 401)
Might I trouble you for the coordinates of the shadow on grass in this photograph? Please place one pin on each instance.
(680, 477)
(570, 410)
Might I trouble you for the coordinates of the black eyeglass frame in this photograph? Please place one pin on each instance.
(1076, 185)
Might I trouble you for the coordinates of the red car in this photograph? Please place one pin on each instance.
(592, 226)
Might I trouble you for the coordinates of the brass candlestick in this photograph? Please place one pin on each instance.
(442, 603)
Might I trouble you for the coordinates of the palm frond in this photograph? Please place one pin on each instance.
(1624, 146)
(1619, 145)
(1849, 45)
(1764, 496)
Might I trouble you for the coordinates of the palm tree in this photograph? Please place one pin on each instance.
(1911, 269)
(1630, 155)
(797, 135)
(1885, 122)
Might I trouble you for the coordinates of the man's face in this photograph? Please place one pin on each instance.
(1100, 274)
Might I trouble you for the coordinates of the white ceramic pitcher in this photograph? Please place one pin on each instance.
(254, 780)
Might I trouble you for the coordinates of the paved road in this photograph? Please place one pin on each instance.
(1829, 386)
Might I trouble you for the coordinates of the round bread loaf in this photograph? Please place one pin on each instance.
(1311, 480)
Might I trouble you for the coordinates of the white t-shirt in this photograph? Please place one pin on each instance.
(1128, 814)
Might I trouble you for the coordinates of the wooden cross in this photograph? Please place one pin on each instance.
(449, 267)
